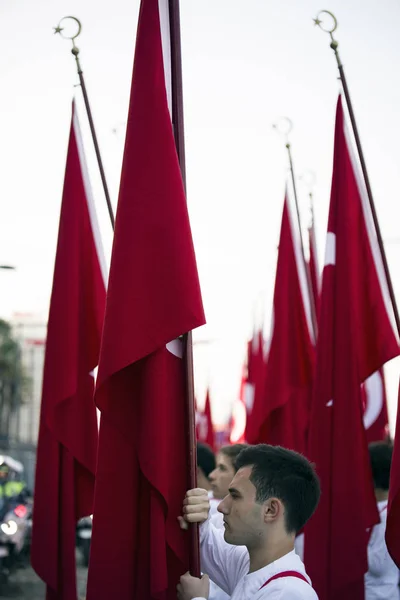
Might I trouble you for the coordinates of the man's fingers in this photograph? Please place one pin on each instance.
(196, 492)
(196, 500)
(195, 508)
(182, 523)
(196, 518)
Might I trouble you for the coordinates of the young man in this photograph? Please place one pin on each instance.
(273, 494)
(225, 469)
(382, 578)
(205, 465)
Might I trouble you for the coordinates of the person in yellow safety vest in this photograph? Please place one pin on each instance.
(8, 487)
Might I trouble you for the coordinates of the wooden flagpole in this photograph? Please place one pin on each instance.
(178, 127)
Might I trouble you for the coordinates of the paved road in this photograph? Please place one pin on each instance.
(24, 584)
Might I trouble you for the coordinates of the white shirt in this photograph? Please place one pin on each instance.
(382, 578)
(228, 567)
(214, 502)
(218, 520)
(299, 546)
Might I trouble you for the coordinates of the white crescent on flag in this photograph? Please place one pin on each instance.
(374, 396)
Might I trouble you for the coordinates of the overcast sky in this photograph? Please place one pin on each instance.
(245, 63)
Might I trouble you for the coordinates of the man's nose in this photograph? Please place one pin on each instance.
(224, 506)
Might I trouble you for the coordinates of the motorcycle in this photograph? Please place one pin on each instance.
(84, 537)
(14, 537)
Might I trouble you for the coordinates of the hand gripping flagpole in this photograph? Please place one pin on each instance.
(178, 127)
(75, 51)
(284, 126)
(334, 45)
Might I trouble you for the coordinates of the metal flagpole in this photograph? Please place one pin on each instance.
(334, 45)
(286, 132)
(75, 52)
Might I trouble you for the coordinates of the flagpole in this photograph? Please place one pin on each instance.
(296, 201)
(334, 45)
(306, 268)
(75, 52)
(178, 127)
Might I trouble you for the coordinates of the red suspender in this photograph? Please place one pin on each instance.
(284, 574)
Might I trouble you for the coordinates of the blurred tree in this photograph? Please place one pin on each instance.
(13, 381)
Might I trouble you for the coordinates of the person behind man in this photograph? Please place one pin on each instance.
(271, 497)
(382, 578)
(224, 470)
(205, 465)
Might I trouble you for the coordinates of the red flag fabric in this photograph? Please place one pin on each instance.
(393, 513)
(355, 338)
(376, 419)
(282, 411)
(204, 424)
(67, 446)
(210, 436)
(254, 385)
(313, 266)
(239, 414)
(138, 549)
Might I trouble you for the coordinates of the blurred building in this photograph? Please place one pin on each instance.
(30, 331)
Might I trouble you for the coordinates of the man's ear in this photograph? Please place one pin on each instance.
(273, 509)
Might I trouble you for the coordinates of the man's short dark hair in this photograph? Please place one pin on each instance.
(205, 458)
(286, 475)
(232, 452)
(380, 456)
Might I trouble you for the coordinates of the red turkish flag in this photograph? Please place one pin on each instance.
(393, 514)
(376, 419)
(282, 411)
(239, 414)
(210, 436)
(204, 424)
(67, 445)
(355, 339)
(254, 384)
(138, 549)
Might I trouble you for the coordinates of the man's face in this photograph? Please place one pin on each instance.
(243, 516)
(222, 476)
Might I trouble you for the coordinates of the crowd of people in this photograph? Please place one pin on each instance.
(252, 504)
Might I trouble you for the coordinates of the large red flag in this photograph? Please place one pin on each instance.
(138, 550)
(393, 514)
(355, 339)
(376, 419)
(282, 411)
(67, 446)
(254, 384)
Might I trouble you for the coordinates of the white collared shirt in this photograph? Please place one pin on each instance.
(217, 519)
(228, 567)
(382, 578)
